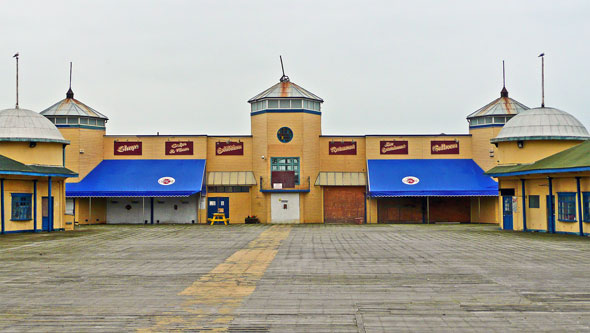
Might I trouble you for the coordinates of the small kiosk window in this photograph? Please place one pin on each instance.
(567, 206)
(21, 206)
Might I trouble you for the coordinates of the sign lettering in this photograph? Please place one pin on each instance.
(179, 148)
(393, 147)
(342, 148)
(444, 147)
(229, 148)
(127, 148)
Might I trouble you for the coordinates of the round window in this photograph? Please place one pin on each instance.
(285, 134)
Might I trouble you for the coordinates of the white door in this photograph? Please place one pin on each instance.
(128, 210)
(175, 210)
(284, 207)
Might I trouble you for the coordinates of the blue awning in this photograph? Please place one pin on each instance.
(428, 177)
(141, 178)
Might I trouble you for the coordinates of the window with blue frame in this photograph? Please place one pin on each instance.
(586, 206)
(21, 207)
(534, 201)
(566, 206)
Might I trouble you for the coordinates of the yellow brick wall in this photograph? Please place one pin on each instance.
(372, 214)
(418, 147)
(99, 210)
(44, 153)
(311, 203)
(153, 147)
(536, 217)
(508, 152)
(239, 206)
(91, 142)
(73, 150)
(306, 138)
(260, 203)
(484, 210)
(85, 151)
(344, 163)
(481, 146)
(26, 186)
(229, 162)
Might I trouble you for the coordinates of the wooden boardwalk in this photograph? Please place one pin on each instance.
(299, 278)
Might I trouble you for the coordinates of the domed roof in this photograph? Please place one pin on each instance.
(285, 89)
(543, 124)
(72, 107)
(27, 125)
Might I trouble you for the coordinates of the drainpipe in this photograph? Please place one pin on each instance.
(523, 206)
(551, 226)
(580, 217)
(35, 205)
(2, 203)
(50, 204)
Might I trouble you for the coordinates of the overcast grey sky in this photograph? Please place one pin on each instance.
(382, 67)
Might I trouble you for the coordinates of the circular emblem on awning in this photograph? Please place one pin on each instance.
(410, 180)
(166, 181)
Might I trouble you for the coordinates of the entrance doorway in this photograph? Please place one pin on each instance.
(507, 212)
(550, 213)
(344, 204)
(284, 207)
(217, 204)
(400, 210)
(45, 224)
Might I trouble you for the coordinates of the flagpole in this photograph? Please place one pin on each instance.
(16, 56)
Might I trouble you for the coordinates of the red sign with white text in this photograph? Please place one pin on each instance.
(179, 148)
(444, 147)
(128, 148)
(393, 147)
(229, 148)
(342, 148)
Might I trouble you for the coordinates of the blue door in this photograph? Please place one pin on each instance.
(550, 213)
(45, 214)
(507, 209)
(217, 204)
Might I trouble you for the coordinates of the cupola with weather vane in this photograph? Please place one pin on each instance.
(498, 111)
(285, 96)
(70, 112)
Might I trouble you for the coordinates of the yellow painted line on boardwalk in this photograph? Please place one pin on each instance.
(212, 299)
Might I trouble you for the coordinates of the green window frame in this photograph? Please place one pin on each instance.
(286, 164)
(21, 207)
(586, 206)
(566, 206)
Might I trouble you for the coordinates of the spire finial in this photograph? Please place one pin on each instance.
(504, 92)
(70, 93)
(284, 78)
(16, 56)
(542, 56)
